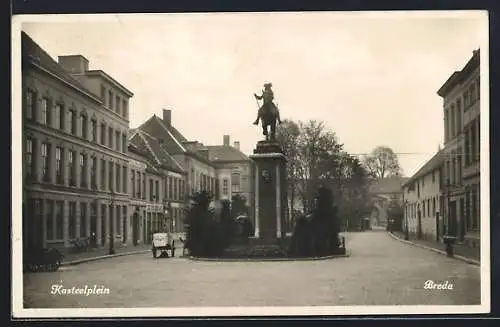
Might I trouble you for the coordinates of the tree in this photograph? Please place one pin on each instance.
(382, 162)
(287, 135)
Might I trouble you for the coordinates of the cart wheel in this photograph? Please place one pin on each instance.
(154, 253)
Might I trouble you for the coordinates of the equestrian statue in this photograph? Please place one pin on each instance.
(268, 113)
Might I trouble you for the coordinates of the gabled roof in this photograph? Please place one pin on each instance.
(434, 163)
(155, 127)
(225, 153)
(31, 52)
(387, 185)
(155, 153)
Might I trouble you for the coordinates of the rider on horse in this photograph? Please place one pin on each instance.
(268, 96)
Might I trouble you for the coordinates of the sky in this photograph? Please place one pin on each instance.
(371, 77)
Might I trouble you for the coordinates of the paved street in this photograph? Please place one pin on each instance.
(380, 271)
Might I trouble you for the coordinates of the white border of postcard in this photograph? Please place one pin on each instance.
(17, 275)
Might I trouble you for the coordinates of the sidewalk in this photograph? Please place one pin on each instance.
(72, 257)
(472, 255)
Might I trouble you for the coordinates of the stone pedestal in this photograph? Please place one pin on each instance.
(270, 191)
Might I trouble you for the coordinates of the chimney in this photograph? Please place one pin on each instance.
(237, 145)
(226, 140)
(167, 116)
(74, 64)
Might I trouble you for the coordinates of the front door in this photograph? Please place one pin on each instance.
(93, 228)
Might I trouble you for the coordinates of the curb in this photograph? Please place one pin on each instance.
(269, 259)
(102, 257)
(458, 257)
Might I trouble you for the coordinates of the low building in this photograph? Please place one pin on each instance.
(382, 192)
(461, 109)
(75, 164)
(422, 200)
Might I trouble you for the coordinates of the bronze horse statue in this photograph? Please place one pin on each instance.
(268, 113)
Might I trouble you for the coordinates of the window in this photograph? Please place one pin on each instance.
(175, 195)
(235, 182)
(139, 190)
(104, 226)
(103, 174)
(157, 191)
(132, 175)
(446, 126)
(110, 100)
(103, 134)
(45, 162)
(124, 173)
(30, 104)
(225, 186)
(144, 186)
(434, 206)
(459, 116)
(72, 220)
(49, 221)
(181, 197)
(59, 177)
(72, 121)
(170, 188)
(473, 94)
(110, 137)
(28, 157)
(103, 94)
(118, 178)
(478, 154)
(83, 175)
(125, 108)
(59, 220)
(83, 219)
(423, 208)
(118, 105)
(452, 122)
(93, 172)
(478, 88)
(466, 100)
(93, 130)
(71, 168)
(57, 116)
(467, 146)
(83, 126)
(117, 219)
(110, 177)
(124, 143)
(117, 140)
(433, 176)
(473, 142)
(151, 196)
(44, 113)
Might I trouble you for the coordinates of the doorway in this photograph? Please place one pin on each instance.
(135, 227)
(93, 225)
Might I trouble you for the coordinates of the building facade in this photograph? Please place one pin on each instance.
(75, 169)
(382, 192)
(461, 94)
(423, 202)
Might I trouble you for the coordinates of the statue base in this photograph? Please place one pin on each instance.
(268, 147)
(270, 192)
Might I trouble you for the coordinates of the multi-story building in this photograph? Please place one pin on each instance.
(234, 171)
(74, 143)
(158, 196)
(461, 93)
(200, 171)
(422, 200)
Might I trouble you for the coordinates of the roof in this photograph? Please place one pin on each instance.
(151, 146)
(110, 79)
(434, 163)
(33, 53)
(387, 185)
(155, 127)
(225, 153)
(171, 139)
(458, 76)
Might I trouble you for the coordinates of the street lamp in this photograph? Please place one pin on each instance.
(111, 229)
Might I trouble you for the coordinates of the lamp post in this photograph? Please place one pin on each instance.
(111, 229)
